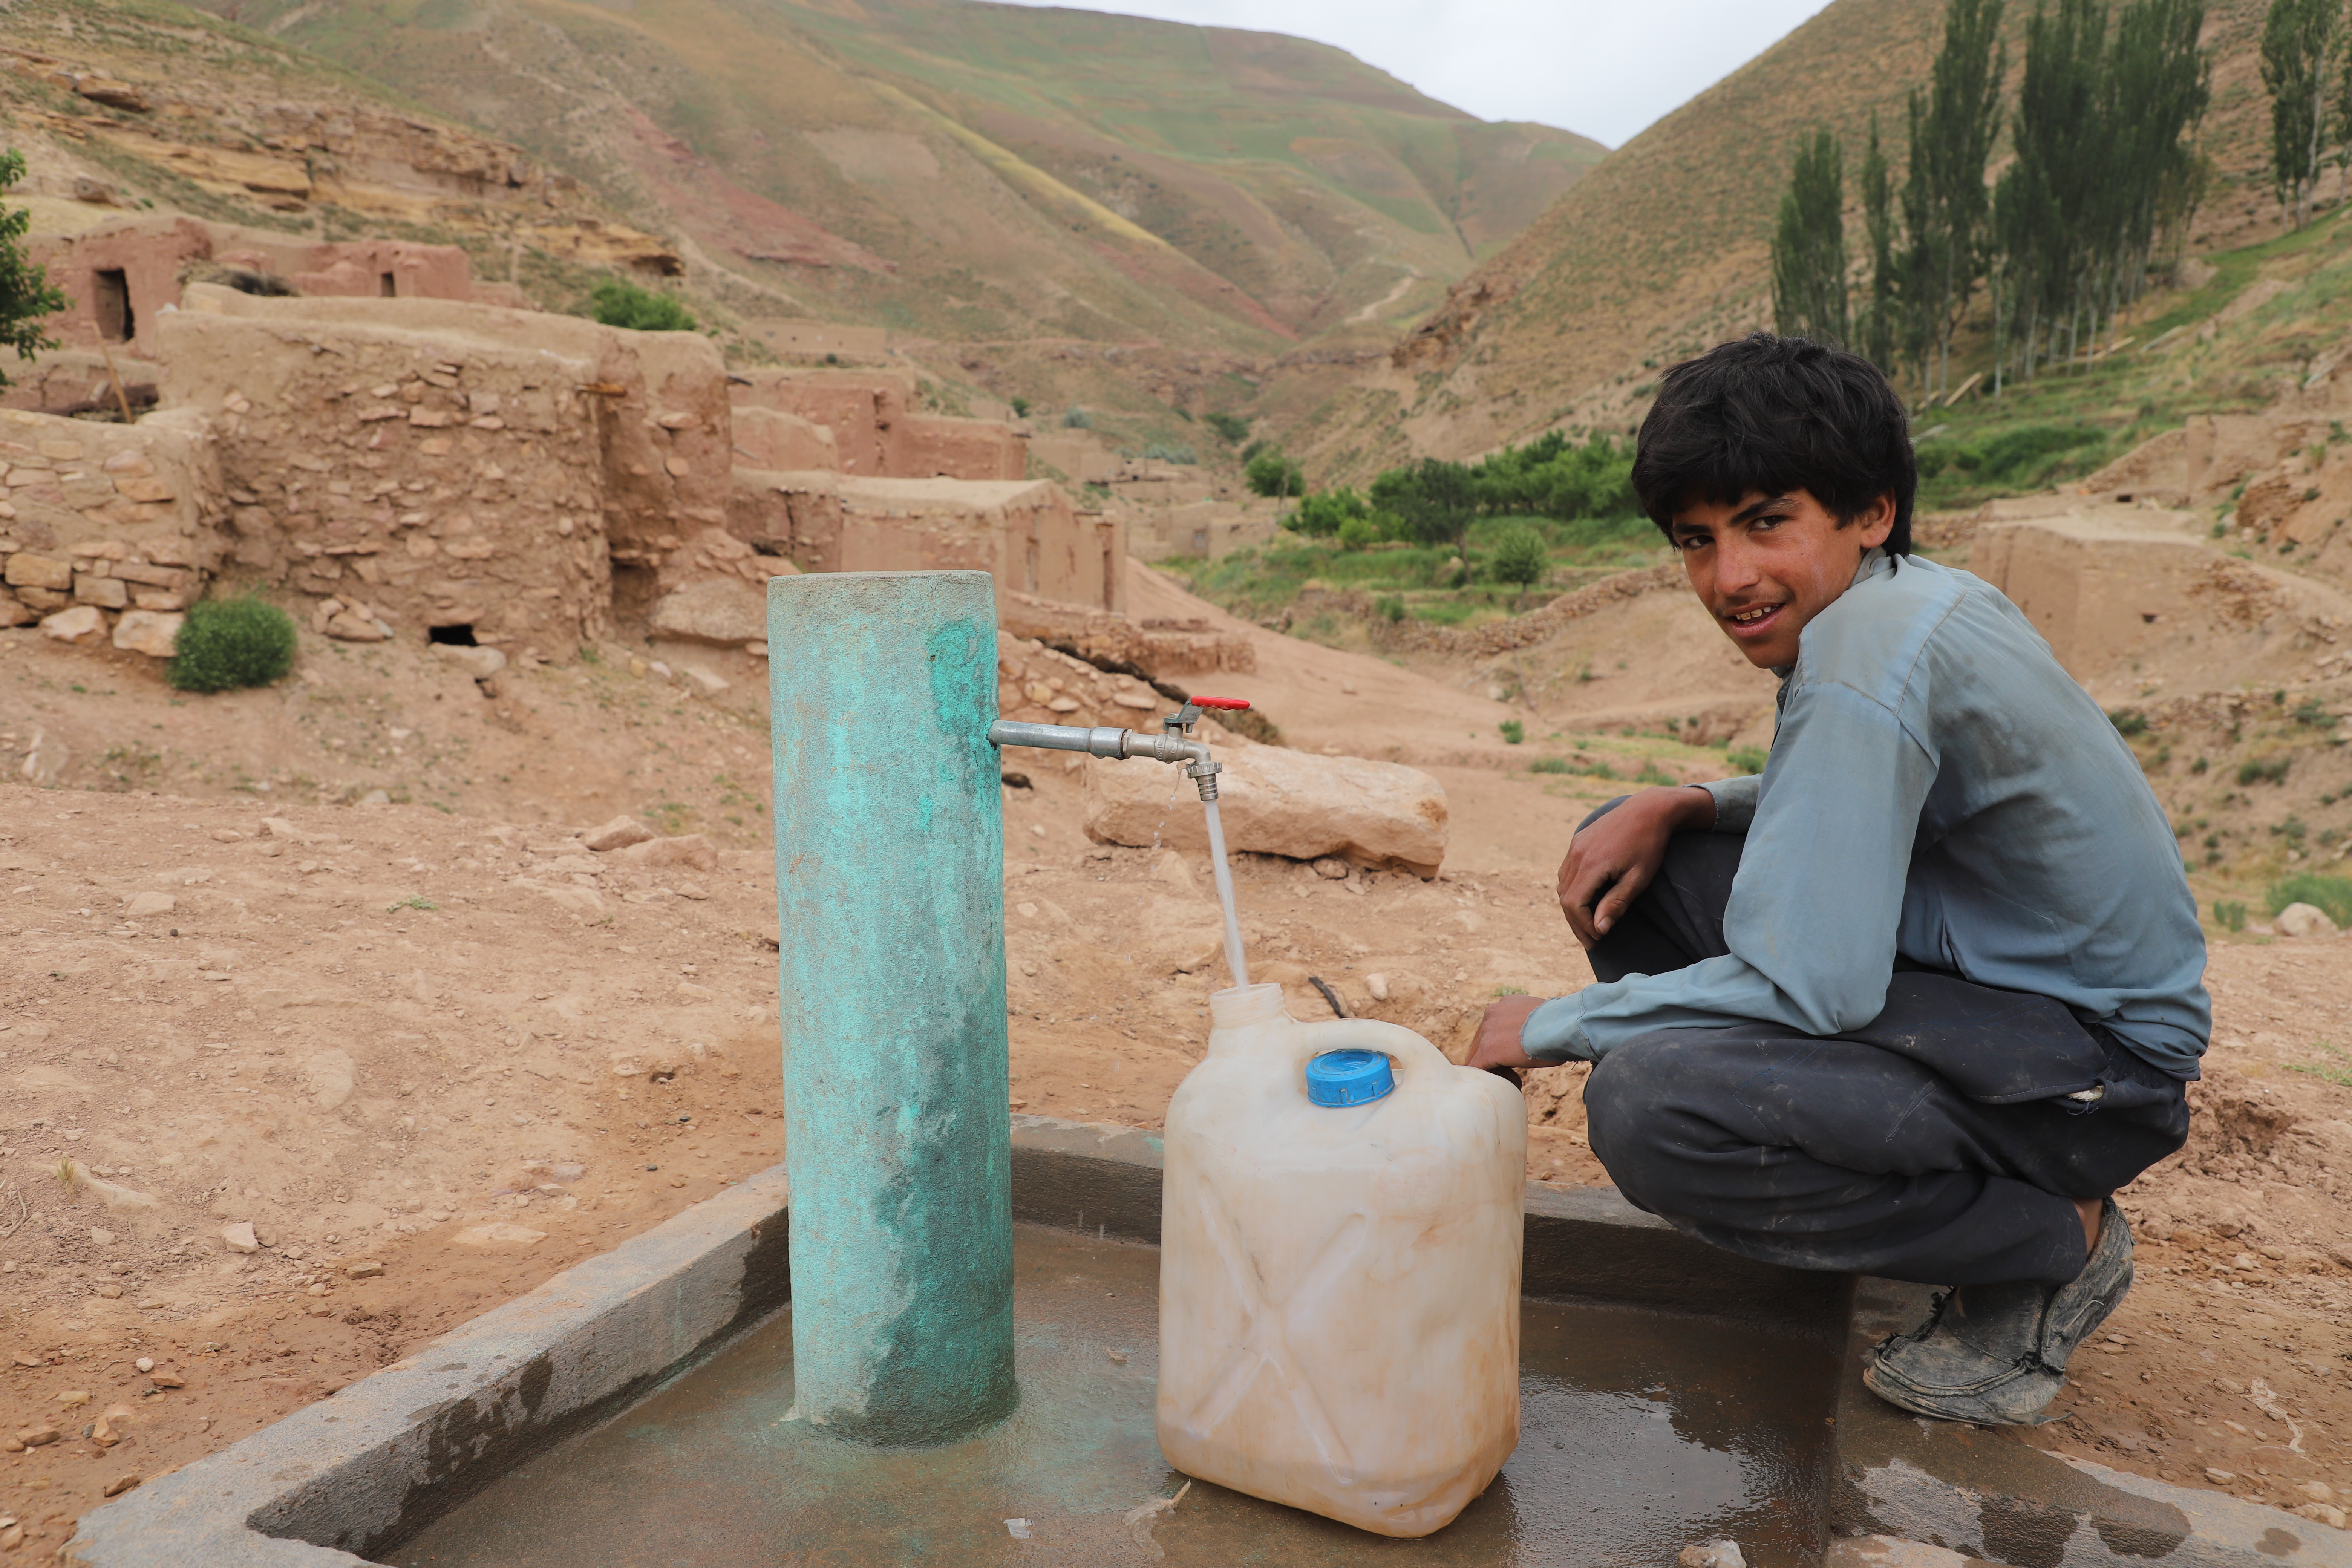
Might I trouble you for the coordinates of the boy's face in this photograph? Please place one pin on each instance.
(1767, 565)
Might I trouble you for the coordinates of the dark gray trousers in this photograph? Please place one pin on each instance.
(1933, 1144)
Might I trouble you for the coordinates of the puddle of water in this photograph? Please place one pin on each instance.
(1640, 1434)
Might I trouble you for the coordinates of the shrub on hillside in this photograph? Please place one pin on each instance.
(1077, 419)
(1360, 533)
(1170, 452)
(1272, 474)
(227, 643)
(1231, 428)
(1325, 513)
(1520, 557)
(2333, 894)
(617, 302)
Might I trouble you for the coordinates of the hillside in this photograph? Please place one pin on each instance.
(1663, 249)
(976, 172)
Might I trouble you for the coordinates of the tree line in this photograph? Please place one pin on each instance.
(2106, 175)
(1434, 501)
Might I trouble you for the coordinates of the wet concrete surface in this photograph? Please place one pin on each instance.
(1641, 1433)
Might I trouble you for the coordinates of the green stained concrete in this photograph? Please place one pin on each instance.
(889, 892)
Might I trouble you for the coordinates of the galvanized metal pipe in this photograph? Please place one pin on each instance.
(890, 897)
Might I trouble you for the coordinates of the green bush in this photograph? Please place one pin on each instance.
(1323, 514)
(1170, 452)
(1077, 419)
(617, 302)
(1747, 759)
(1362, 533)
(1549, 766)
(1651, 773)
(1021, 408)
(2333, 894)
(2270, 771)
(1514, 732)
(2228, 916)
(2018, 457)
(1392, 608)
(1272, 474)
(1231, 428)
(2128, 722)
(227, 643)
(1520, 557)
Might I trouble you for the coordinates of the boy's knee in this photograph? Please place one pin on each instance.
(1602, 810)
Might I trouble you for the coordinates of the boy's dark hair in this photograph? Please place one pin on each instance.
(1776, 415)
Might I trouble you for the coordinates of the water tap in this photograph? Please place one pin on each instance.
(1176, 746)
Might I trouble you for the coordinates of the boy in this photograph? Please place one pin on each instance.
(1916, 1000)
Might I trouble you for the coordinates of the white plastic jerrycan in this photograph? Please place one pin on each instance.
(1339, 1268)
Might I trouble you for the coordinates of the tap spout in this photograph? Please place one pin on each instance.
(1104, 741)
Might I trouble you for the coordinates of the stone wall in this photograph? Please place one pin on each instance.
(407, 473)
(108, 524)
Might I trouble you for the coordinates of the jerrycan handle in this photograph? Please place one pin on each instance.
(1417, 1060)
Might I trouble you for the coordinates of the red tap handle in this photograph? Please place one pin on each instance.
(1232, 703)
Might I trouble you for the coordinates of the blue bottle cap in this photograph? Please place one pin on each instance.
(1349, 1077)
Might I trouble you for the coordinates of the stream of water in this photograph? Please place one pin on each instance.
(1234, 961)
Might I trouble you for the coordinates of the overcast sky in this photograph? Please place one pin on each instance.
(1604, 68)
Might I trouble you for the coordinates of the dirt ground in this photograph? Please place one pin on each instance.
(440, 1039)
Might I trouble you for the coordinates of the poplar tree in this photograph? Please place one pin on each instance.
(1808, 291)
(1880, 323)
(1945, 204)
(2298, 39)
(27, 295)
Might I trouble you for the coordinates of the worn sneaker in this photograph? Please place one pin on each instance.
(1997, 1354)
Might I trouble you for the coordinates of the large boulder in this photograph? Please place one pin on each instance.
(1276, 801)
(722, 610)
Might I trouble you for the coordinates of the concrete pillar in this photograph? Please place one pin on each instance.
(890, 897)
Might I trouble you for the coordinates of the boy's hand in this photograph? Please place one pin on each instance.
(1497, 1049)
(1611, 862)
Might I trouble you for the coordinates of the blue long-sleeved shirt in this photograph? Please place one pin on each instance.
(1940, 788)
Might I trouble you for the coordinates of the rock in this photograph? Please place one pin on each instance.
(144, 906)
(350, 626)
(84, 624)
(2322, 1513)
(1378, 985)
(1276, 801)
(149, 632)
(691, 850)
(2219, 1477)
(708, 682)
(111, 1292)
(240, 1238)
(168, 1380)
(617, 834)
(723, 610)
(120, 1485)
(365, 1269)
(1182, 936)
(481, 663)
(100, 1237)
(1712, 1554)
(331, 1074)
(498, 1235)
(27, 570)
(2317, 1492)
(145, 1364)
(375, 798)
(1331, 868)
(2303, 920)
(46, 758)
(39, 1437)
(14, 612)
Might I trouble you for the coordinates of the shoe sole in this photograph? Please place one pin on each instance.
(1974, 1403)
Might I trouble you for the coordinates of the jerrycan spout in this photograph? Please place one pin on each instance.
(1244, 1007)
